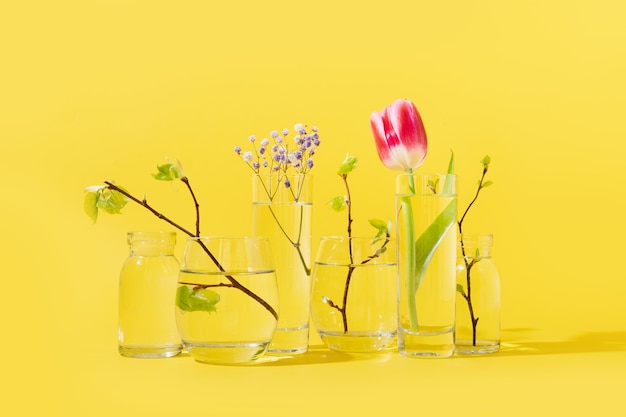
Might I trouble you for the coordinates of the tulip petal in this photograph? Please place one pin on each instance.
(406, 122)
(382, 141)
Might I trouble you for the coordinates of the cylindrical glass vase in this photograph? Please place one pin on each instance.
(426, 218)
(227, 299)
(354, 296)
(281, 211)
(146, 325)
(478, 296)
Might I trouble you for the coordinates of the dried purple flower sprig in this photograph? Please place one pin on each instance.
(278, 162)
(282, 157)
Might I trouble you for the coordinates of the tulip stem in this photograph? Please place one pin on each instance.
(407, 209)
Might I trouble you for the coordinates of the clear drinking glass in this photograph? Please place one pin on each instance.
(227, 299)
(478, 296)
(283, 215)
(426, 221)
(354, 295)
(146, 325)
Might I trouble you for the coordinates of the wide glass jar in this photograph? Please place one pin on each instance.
(227, 299)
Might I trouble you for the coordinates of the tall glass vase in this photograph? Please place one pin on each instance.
(426, 219)
(281, 211)
(478, 296)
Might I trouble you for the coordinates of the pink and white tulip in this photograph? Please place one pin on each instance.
(399, 135)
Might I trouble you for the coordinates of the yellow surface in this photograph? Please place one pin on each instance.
(94, 90)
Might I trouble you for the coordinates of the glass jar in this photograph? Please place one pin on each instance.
(147, 325)
(227, 299)
(478, 296)
(426, 207)
(354, 293)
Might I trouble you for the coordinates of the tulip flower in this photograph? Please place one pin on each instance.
(399, 135)
(401, 144)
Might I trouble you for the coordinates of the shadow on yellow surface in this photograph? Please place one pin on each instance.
(593, 342)
(520, 345)
(320, 354)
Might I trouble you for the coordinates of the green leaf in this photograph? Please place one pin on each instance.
(111, 201)
(432, 185)
(169, 172)
(348, 165)
(486, 161)
(487, 184)
(383, 227)
(451, 163)
(91, 205)
(338, 203)
(459, 288)
(447, 187)
(430, 240)
(191, 299)
(101, 197)
(380, 225)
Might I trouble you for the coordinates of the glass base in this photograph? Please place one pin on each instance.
(226, 353)
(482, 347)
(291, 341)
(357, 342)
(150, 351)
(431, 344)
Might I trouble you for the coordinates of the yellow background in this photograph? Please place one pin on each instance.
(94, 90)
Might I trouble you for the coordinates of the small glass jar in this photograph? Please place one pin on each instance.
(478, 296)
(148, 280)
(354, 293)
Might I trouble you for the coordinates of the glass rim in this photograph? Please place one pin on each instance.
(476, 238)
(151, 236)
(226, 237)
(282, 173)
(419, 184)
(426, 174)
(344, 237)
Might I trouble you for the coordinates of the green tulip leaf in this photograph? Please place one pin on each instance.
(429, 241)
(447, 187)
(191, 299)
